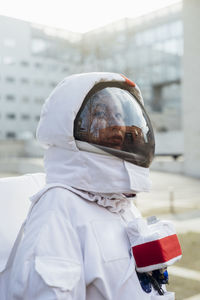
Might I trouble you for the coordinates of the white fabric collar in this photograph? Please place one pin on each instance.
(117, 203)
(113, 202)
(95, 173)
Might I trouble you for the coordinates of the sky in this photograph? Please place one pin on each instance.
(78, 15)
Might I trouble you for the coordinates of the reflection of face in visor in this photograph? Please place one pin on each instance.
(114, 121)
(107, 127)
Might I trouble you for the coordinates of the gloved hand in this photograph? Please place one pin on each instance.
(154, 244)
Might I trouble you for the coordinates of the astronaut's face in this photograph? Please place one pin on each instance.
(107, 127)
(113, 120)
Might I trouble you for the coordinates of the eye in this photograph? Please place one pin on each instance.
(118, 116)
(100, 114)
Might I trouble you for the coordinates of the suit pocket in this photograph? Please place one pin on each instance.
(58, 272)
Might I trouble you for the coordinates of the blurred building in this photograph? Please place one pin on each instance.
(149, 50)
(33, 59)
(191, 78)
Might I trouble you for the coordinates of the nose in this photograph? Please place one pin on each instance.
(115, 120)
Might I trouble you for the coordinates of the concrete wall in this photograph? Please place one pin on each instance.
(191, 84)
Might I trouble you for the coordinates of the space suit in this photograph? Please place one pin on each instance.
(74, 244)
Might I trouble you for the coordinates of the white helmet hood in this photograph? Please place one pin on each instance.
(64, 161)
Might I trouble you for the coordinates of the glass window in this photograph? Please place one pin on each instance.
(52, 84)
(25, 117)
(39, 82)
(10, 134)
(148, 37)
(171, 46)
(162, 32)
(38, 45)
(25, 99)
(9, 42)
(176, 28)
(10, 97)
(65, 69)
(158, 46)
(53, 67)
(180, 47)
(8, 60)
(24, 80)
(138, 39)
(24, 63)
(39, 100)
(156, 57)
(10, 79)
(11, 116)
(38, 65)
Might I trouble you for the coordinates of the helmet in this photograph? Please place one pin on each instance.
(112, 119)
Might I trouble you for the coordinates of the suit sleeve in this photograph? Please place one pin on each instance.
(54, 271)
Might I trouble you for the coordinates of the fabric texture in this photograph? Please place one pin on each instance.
(57, 272)
(116, 203)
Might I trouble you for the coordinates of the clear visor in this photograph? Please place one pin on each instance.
(113, 120)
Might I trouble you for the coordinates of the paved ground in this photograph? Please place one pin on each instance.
(186, 190)
(184, 273)
(176, 196)
(196, 297)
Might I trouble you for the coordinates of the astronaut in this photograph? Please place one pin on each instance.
(99, 145)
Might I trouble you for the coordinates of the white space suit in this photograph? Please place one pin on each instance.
(75, 245)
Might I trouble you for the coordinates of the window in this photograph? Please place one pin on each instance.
(52, 84)
(10, 79)
(39, 100)
(10, 134)
(148, 36)
(25, 99)
(53, 67)
(65, 69)
(171, 46)
(162, 32)
(10, 97)
(38, 65)
(11, 116)
(24, 80)
(38, 46)
(138, 39)
(8, 60)
(37, 118)
(9, 42)
(39, 82)
(176, 28)
(24, 63)
(25, 117)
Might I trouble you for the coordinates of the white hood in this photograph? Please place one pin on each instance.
(64, 161)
